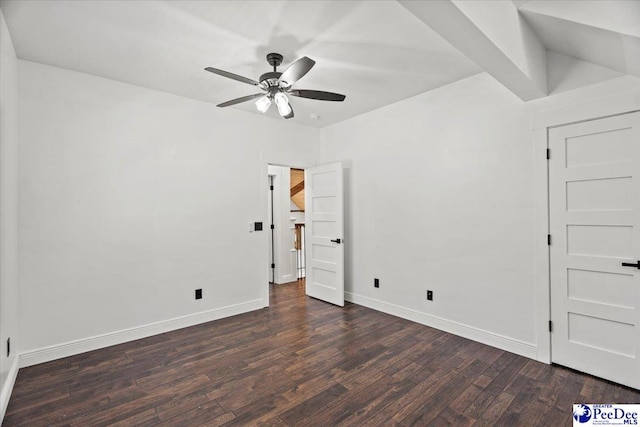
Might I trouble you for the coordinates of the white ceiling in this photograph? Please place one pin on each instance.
(374, 52)
(604, 33)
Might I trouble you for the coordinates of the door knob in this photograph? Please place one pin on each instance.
(340, 241)
(628, 264)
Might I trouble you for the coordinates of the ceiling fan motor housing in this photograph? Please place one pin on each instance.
(270, 79)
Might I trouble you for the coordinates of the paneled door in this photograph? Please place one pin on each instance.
(324, 233)
(594, 199)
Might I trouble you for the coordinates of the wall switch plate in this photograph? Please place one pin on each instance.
(376, 283)
(198, 293)
(429, 295)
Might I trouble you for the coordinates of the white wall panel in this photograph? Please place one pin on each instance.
(130, 199)
(440, 195)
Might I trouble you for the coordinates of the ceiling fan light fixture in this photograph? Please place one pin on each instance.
(283, 104)
(277, 86)
(263, 104)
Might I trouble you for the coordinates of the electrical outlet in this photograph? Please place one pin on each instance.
(429, 295)
(376, 283)
(198, 293)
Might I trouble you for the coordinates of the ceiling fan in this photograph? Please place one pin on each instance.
(276, 86)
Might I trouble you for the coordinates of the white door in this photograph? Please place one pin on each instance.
(324, 233)
(594, 199)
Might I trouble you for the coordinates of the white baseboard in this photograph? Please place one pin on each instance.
(475, 334)
(287, 278)
(71, 348)
(7, 387)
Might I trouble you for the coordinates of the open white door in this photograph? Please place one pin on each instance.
(594, 189)
(324, 233)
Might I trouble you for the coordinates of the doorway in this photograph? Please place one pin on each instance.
(286, 223)
(323, 241)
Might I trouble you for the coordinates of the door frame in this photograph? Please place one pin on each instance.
(264, 210)
(541, 123)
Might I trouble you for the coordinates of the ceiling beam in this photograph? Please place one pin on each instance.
(494, 36)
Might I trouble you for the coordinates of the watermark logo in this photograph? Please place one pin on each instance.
(581, 413)
(605, 415)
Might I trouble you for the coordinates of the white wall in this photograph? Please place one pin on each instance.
(8, 214)
(440, 195)
(130, 199)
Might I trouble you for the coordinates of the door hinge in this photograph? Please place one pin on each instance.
(271, 187)
(550, 326)
(273, 266)
(548, 153)
(549, 239)
(273, 226)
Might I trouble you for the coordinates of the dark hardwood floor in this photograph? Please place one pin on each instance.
(303, 362)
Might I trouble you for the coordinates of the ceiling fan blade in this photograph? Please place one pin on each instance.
(296, 71)
(232, 76)
(243, 99)
(290, 115)
(317, 94)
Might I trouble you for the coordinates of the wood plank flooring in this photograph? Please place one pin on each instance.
(303, 362)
